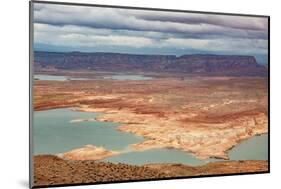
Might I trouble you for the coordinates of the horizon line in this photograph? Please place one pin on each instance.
(88, 52)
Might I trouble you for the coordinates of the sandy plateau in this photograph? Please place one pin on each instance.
(206, 116)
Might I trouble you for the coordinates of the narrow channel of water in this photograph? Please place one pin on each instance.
(127, 77)
(57, 77)
(120, 77)
(158, 156)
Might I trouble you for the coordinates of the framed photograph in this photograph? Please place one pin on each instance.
(122, 94)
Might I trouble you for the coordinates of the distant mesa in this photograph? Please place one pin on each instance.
(234, 65)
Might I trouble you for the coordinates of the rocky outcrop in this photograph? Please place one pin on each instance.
(89, 152)
(204, 139)
(194, 64)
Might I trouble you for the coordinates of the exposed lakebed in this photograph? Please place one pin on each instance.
(56, 132)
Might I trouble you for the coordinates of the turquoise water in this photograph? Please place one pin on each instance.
(255, 148)
(56, 77)
(114, 77)
(128, 77)
(55, 132)
(158, 156)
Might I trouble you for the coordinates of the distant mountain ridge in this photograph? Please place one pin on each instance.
(117, 62)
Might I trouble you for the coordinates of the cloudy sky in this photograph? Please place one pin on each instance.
(96, 29)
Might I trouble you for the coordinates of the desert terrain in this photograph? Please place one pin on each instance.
(205, 116)
(123, 95)
(52, 170)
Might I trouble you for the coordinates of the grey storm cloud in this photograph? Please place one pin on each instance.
(144, 20)
(80, 26)
(236, 22)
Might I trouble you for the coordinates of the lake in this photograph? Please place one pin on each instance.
(120, 77)
(127, 77)
(255, 148)
(56, 131)
(56, 77)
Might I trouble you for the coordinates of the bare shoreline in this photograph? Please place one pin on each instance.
(83, 152)
(103, 118)
(166, 113)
